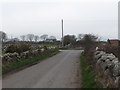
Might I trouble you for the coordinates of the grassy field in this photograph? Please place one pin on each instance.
(88, 76)
(21, 64)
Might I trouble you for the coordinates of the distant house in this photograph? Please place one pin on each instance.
(12, 40)
(114, 42)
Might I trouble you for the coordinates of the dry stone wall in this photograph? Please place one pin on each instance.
(11, 57)
(107, 69)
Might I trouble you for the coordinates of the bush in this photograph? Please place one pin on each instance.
(89, 44)
(24, 47)
(45, 48)
(17, 48)
(12, 49)
(110, 49)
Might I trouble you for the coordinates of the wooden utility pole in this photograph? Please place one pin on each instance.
(62, 34)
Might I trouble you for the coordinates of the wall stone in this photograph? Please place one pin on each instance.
(107, 70)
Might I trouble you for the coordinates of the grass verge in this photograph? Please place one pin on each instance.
(88, 75)
(23, 63)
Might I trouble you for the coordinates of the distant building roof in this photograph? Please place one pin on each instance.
(12, 40)
(114, 41)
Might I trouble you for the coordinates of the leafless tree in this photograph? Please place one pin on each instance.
(30, 37)
(80, 36)
(44, 37)
(23, 37)
(3, 36)
(89, 41)
(52, 37)
(36, 38)
(89, 45)
(69, 39)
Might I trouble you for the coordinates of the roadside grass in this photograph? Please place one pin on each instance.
(23, 63)
(88, 75)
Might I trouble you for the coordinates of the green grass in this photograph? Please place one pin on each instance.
(88, 76)
(23, 63)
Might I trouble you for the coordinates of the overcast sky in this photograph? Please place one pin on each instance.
(99, 17)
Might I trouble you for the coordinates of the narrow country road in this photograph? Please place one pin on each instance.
(59, 71)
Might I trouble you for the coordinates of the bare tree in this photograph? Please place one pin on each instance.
(22, 37)
(3, 36)
(80, 36)
(69, 39)
(52, 37)
(36, 38)
(30, 37)
(44, 37)
(89, 45)
(89, 41)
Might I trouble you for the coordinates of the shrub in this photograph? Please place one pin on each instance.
(12, 49)
(19, 48)
(45, 48)
(110, 49)
(24, 47)
(89, 44)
